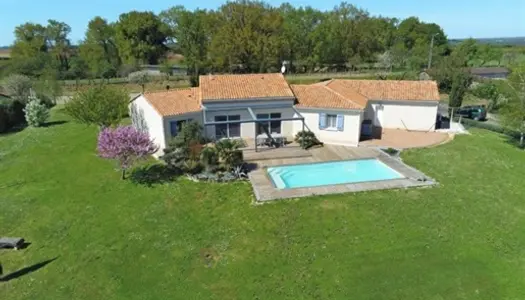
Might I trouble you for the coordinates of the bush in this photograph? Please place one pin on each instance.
(36, 113)
(11, 114)
(229, 153)
(18, 87)
(102, 105)
(468, 123)
(209, 158)
(141, 78)
(307, 139)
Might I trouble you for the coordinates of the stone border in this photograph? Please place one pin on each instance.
(265, 191)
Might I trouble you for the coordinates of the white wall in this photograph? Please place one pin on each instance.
(145, 118)
(348, 137)
(411, 115)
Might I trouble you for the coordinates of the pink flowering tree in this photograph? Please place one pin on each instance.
(126, 145)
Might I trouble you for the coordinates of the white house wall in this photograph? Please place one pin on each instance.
(145, 118)
(408, 115)
(348, 137)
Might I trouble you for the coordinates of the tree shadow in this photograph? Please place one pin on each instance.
(54, 123)
(26, 270)
(14, 129)
(514, 140)
(153, 174)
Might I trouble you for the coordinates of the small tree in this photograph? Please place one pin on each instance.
(101, 105)
(514, 113)
(460, 84)
(141, 78)
(229, 153)
(36, 113)
(18, 87)
(126, 145)
(166, 68)
(184, 147)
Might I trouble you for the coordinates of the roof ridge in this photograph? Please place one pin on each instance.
(167, 91)
(337, 93)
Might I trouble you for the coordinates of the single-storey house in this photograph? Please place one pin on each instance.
(245, 106)
(490, 72)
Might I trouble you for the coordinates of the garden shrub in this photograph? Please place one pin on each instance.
(209, 158)
(11, 114)
(307, 139)
(36, 113)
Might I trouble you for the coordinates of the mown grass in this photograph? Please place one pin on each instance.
(113, 239)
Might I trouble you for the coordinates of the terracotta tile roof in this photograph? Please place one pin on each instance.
(322, 97)
(387, 89)
(175, 102)
(245, 86)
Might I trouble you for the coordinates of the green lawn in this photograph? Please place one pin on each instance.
(113, 239)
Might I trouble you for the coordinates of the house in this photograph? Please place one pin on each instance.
(490, 72)
(245, 106)
(155, 70)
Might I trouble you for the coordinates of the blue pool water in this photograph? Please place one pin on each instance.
(317, 174)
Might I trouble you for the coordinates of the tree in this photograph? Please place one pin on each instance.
(514, 112)
(385, 61)
(102, 105)
(140, 77)
(490, 92)
(461, 81)
(191, 31)
(78, 69)
(140, 37)
(126, 145)
(58, 43)
(184, 147)
(36, 113)
(488, 53)
(98, 49)
(18, 87)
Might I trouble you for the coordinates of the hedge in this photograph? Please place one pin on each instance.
(11, 114)
(468, 123)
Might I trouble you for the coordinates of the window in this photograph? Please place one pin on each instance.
(176, 126)
(271, 126)
(228, 130)
(331, 121)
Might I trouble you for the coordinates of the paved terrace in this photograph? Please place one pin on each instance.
(265, 191)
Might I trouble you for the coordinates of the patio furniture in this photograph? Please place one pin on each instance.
(9, 242)
(264, 140)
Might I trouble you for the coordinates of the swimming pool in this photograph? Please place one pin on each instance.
(329, 173)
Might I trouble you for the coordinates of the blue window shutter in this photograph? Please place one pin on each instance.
(340, 122)
(173, 128)
(322, 121)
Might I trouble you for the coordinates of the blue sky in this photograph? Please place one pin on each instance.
(459, 18)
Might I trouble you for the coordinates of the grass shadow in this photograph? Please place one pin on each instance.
(514, 141)
(26, 270)
(153, 174)
(54, 123)
(14, 129)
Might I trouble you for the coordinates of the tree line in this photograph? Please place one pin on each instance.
(241, 36)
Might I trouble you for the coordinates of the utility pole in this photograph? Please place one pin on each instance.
(430, 51)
